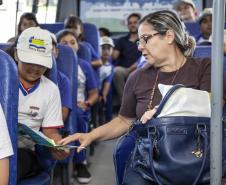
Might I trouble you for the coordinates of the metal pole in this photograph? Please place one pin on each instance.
(17, 9)
(217, 91)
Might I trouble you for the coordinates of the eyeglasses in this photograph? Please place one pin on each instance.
(144, 39)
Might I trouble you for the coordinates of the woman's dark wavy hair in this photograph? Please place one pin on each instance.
(29, 16)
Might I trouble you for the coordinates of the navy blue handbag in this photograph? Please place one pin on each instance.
(172, 150)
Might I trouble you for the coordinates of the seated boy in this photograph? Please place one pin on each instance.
(39, 98)
(5, 150)
(106, 70)
(205, 21)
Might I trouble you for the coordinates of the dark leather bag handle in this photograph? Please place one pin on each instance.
(165, 99)
(137, 124)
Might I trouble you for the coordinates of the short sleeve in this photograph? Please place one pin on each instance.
(65, 90)
(109, 77)
(129, 102)
(118, 45)
(53, 115)
(5, 142)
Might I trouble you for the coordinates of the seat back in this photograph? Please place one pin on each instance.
(52, 74)
(67, 63)
(91, 35)
(193, 28)
(53, 27)
(202, 51)
(84, 52)
(9, 89)
(3, 46)
(124, 147)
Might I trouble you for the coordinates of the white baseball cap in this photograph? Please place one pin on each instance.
(35, 47)
(178, 2)
(106, 40)
(206, 12)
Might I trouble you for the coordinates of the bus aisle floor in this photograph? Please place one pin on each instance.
(100, 165)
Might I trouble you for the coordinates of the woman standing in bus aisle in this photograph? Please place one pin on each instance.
(5, 149)
(27, 20)
(87, 96)
(38, 108)
(167, 48)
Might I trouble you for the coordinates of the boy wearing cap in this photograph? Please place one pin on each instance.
(39, 98)
(106, 70)
(205, 21)
(186, 10)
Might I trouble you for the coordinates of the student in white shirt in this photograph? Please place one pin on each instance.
(39, 98)
(5, 150)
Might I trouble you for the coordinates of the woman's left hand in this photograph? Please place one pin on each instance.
(147, 115)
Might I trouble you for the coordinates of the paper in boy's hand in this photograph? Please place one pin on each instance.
(40, 139)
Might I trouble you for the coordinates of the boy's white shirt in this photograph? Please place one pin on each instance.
(104, 71)
(185, 102)
(41, 108)
(5, 142)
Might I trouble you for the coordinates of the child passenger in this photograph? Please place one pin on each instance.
(205, 22)
(5, 150)
(106, 70)
(87, 97)
(39, 98)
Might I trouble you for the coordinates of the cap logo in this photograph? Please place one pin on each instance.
(37, 44)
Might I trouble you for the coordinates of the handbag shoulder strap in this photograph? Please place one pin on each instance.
(166, 97)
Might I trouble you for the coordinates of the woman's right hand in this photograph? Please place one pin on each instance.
(85, 140)
(148, 115)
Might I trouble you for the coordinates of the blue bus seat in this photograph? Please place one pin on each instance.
(84, 52)
(52, 74)
(67, 63)
(53, 27)
(202, 51)
(193, 28)
(4, 46)
(121, 153)
(9, 92)
(91, 35)
(90, 31)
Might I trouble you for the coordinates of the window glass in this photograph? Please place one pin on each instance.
(112, 14)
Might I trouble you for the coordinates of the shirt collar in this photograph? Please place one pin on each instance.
(29, 90)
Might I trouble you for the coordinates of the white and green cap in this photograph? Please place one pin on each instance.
(35, 47)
